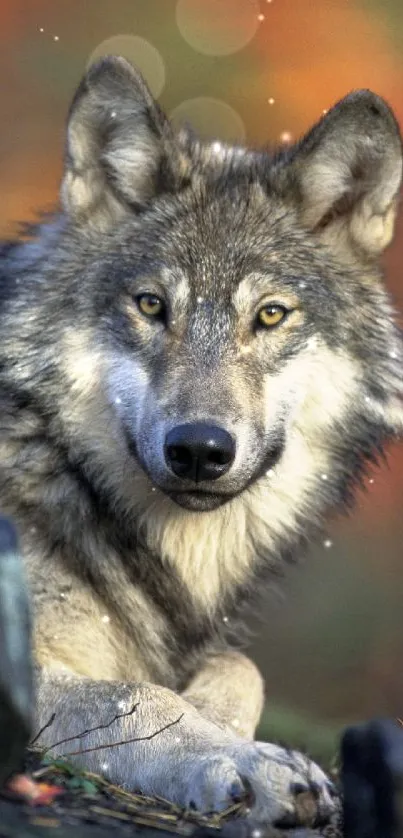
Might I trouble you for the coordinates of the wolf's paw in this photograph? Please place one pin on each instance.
(280, 786)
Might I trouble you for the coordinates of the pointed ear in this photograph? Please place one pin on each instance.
(346, 173)
(119, 150)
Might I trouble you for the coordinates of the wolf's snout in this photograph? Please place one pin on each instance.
(199, 451)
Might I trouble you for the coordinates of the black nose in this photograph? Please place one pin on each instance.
(199, 451)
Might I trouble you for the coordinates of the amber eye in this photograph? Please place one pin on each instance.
(151, 305)
(270, 315)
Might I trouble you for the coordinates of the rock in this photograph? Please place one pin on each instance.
(16, 675)
(372, 779)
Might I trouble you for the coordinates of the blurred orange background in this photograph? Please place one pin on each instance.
(260, 70)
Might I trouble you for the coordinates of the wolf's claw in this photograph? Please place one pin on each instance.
(278, 785)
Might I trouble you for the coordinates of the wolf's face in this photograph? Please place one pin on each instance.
(223, 331)
(212, 330)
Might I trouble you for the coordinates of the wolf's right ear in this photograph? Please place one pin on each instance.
(345, 174)
(120, 150)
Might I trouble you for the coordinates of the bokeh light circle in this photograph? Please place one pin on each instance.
(140, 53)
(217, 27)
(286, 137)
(210, 118)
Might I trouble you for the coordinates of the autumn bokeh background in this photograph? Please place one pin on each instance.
(260, 70)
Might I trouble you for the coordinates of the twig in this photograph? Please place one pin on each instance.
(92, 729)
(124, 741)
(45, 726)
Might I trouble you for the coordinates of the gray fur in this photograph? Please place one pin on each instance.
(140, 578)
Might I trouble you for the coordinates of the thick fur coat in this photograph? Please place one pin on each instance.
(189, 285)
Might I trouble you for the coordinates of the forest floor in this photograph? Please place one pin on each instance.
(54, 799)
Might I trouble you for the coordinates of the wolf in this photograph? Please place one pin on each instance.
(198, 360)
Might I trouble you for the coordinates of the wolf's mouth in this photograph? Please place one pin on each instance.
(199, 501)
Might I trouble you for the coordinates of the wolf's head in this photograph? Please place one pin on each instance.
(223, 338)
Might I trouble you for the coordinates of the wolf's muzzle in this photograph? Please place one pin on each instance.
(199, 451)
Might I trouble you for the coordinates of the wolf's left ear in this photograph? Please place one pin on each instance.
(119, 148)
(346, 172)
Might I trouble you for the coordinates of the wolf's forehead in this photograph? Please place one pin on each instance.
(219, 248)
(233, 265)
(213, 242)
(202, 285)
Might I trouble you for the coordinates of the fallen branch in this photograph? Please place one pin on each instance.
(42, 730)
(88, 729)
(123, 741)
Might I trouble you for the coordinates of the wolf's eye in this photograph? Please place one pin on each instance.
(270, 315)
(151, 305)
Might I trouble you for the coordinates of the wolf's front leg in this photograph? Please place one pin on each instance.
(229, 690)
(147, 737)
(139, 735)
